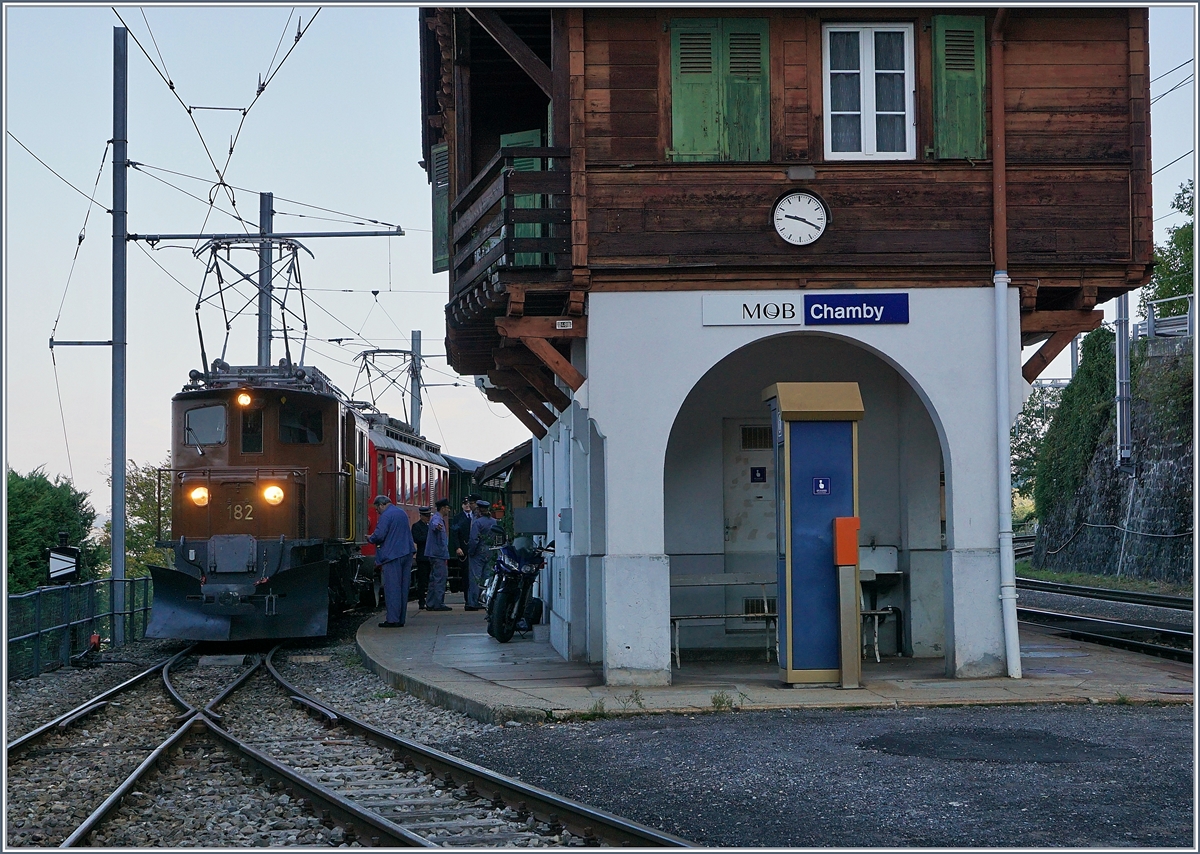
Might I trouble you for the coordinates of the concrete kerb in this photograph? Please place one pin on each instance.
(480, 711)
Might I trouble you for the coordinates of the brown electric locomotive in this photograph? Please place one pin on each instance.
(272, 474)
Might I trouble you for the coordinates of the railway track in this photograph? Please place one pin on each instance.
(303, 774)
(1161, 640)
(1129, 597)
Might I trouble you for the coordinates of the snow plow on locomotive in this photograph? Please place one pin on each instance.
(272, 474)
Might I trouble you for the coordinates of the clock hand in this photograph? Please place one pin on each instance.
(801, 219)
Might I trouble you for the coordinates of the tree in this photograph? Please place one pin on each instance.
(142, 518)
(1174, 267)
(1027, 435)
(38, 508)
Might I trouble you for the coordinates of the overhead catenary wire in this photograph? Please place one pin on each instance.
(91, 198)
(81, 237)
(66, 288)
(1173, 162)
(1178, 85)
(207, 202)
(1172, 71)
(278, 198)
(191, 117)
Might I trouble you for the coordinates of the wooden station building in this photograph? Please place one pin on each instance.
(650, 215)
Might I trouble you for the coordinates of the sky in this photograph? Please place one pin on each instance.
(337, 128)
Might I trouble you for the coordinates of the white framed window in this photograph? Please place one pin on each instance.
(869, 92)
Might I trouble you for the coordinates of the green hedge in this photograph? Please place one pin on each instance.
(1084, 410)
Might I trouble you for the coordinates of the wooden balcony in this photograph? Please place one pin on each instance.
(510, 226)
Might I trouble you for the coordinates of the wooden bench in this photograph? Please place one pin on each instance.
(726, 579)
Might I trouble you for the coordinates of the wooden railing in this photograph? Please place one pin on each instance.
(509, 218)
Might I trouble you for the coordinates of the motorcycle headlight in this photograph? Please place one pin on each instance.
(199, 496)
(273, 495)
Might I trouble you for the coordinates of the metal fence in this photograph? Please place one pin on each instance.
(47, 626)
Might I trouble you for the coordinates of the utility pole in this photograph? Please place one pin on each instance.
(120, 209)
(265, 222)
(1124, 399)
(414, 393)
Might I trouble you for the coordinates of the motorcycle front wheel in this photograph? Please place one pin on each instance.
(503, 620)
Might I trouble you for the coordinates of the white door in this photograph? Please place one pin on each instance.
(749, 492)
(749, 488)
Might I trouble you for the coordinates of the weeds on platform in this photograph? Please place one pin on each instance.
(633, 700)
(723, 702)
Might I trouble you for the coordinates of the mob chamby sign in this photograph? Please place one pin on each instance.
(788, 308)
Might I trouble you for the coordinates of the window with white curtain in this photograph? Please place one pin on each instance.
(869, 92)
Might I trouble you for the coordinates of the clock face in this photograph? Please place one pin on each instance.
(800, 218)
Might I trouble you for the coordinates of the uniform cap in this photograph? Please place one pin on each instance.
(443, 502)
(424, 511)
(483, 504)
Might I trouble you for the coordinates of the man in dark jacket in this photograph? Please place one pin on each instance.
(437, 551)
(395, 554)
(460, 536)
(478, 544)
(420, 532)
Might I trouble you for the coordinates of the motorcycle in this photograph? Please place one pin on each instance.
(510, 605)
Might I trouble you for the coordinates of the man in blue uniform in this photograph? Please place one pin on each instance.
(437, 550)
(395, 553)
(477, 552)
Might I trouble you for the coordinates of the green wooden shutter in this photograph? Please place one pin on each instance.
(695, 90)
(958, 78)
(746, 85)
(440, 157)
(526, 139)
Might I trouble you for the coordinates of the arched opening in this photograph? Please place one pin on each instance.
(719, 496)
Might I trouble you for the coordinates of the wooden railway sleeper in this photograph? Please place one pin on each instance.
(499, 790)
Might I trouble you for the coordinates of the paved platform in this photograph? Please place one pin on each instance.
(448, 659)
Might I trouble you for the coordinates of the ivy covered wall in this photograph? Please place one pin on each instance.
(1095, 518)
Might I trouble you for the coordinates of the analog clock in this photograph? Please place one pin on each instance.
(800, 218)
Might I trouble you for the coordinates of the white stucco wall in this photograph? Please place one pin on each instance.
(645, 353)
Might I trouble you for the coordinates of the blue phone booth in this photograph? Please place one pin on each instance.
(816, 463)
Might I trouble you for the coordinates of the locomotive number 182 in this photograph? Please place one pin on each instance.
(241, 512)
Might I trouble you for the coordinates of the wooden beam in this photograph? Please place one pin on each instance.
(536, 376)
(531, 393)
(555, 361)
(534, 371)
(511, 357)
(520, 52)
(575, 304)
(516, 300)
(1046, 353)
(462, 125)
(506, 397)
(1061, 321)
(531, 401)
(542, 327)
(560, 69)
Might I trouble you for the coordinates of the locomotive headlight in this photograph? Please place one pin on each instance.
(273, 495)
(199, 496)
(243, 399)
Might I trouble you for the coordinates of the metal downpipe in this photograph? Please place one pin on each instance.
(1001, 282)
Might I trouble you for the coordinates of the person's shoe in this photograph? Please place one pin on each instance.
(421, 605)
(471, 608)
(440, 608)
(391, 625)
